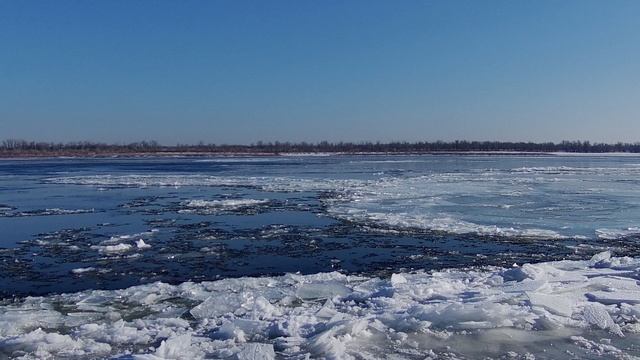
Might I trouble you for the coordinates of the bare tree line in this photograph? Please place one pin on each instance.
(13, 147)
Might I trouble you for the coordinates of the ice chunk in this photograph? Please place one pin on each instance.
(83, 270)
(256, 351)
(600, 258)
(46, 345)
(597, 348)
(142, 245)
(397, 279)
(178, 347)
(520, 286)
(556, 304)
(614, 297)
(118, 332)
(231, 330)
(322, 290)
(615, 283)
(227, 203)
(112, 249)
(216, 306)
(596, 314)
(14, 322)
(327, 311)
(262, 309)
(526, 271)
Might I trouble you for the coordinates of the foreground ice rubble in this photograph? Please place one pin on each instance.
(571, 309)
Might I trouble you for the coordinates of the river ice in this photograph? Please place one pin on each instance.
(424, 248)
(581, 309)
(541, 202)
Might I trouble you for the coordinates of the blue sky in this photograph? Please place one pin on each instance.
(242, 71)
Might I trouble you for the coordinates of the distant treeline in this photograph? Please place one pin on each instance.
(21, 147)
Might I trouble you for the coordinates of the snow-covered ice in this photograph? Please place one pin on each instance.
(6, 212)
(112, 249)
(574, 309)
(120, 244)
(227, 203)
(215, 206)
(140, 244)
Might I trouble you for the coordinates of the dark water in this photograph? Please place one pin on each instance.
(357, 214)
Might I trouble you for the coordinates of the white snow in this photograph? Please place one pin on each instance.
(586, 308)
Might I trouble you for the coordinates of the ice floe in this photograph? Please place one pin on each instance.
(610, 234)
(215, 206)
(44, 212)
(266, 183)
(443, 224)
(140, 244)
(120, 244)
(539, 203)
(227, 203)
(83, 270)
(570, 309)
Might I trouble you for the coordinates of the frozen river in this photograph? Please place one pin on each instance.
(322, 256)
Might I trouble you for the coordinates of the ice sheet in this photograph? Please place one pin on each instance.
(556, 202)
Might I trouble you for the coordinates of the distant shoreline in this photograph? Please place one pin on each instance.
(32, 149)
(204, 154)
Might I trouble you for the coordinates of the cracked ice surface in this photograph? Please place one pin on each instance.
(570, 309)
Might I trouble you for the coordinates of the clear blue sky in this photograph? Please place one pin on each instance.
(242, 71)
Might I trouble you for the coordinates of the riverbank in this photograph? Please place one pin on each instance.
(25, 155)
